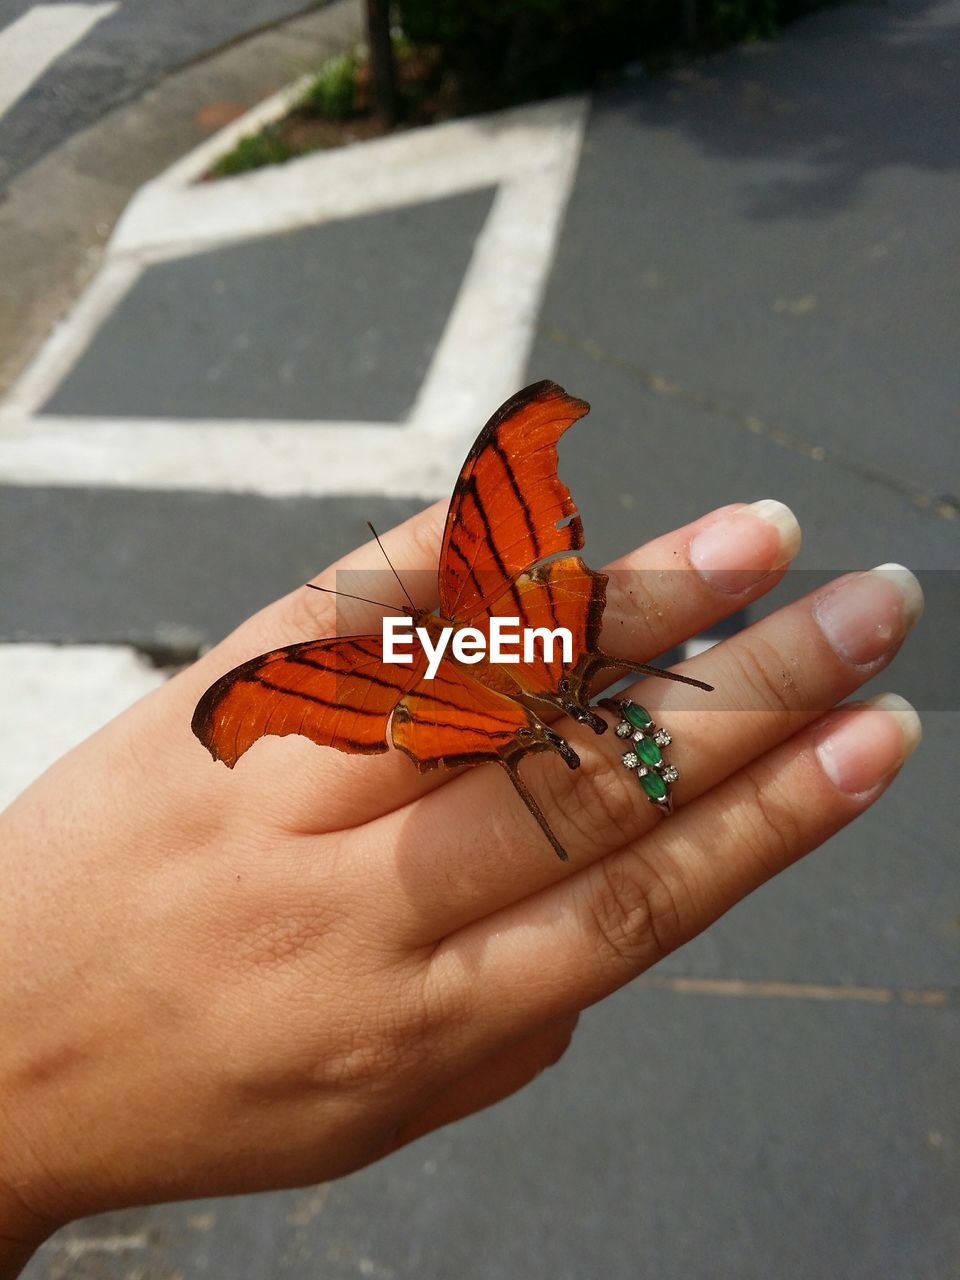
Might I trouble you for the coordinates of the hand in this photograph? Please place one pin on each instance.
(220, 982)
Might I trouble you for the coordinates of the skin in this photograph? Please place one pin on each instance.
(217, 982)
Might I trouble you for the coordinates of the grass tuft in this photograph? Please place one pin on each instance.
(263, 148)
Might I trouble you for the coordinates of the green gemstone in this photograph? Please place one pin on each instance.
(648, 751)
(638, 716)
(654, 786)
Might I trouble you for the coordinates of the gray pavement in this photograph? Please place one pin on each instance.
(129, 51)
(57, 212)
(344, 323)
(752, 288)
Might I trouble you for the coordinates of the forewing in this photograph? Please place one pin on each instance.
(563, 593)
(337, 692)
(508, 500)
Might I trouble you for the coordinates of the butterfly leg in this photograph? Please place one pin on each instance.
(523, 791)
(537, 737)
(584, 715)
(641, 668)
(573, 695)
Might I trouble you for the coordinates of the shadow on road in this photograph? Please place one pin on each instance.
(851, 92)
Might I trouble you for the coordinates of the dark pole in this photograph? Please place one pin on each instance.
(383, 89)
(691, 19)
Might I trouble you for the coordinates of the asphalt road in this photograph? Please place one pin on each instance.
(753, 284)
(123, 53)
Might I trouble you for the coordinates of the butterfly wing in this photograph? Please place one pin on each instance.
(337, 692)
(563, 593)
(453, 720)
(509, 512)
(508, 500)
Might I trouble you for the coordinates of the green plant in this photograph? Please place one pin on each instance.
(333, 92)
(501, 51)
(266, 147)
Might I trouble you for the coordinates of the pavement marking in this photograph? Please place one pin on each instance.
(931, 998)
(175, 212)
(80, 1246)
(529, 153)
(942, 506)
(57, 695)
(272, 459)
(68, 341)
(44, 33)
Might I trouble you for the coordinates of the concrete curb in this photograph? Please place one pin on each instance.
(57, 216)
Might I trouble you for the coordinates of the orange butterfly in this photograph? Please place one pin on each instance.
(509, 512)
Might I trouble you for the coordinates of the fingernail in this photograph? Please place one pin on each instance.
(865, 615)
(868, 741)
(741, 547)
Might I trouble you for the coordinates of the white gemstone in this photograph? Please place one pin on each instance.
(637, 735)
(624, 730)
(670, 774)
(662, 738)
(631, 759)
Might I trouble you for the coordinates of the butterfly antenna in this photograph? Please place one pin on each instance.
(393, 571)
(348, 596)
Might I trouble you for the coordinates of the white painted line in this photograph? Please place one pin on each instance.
(384, 173)
(80, 1246)
(271, 458)
(69, 339)
(55, 696)
(37, 38)
(191, 167)
(530, 154)
(481, 358)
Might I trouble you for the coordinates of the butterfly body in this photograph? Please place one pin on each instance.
(510, 529)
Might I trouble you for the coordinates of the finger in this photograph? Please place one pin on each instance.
(496, 1078)
(656, 600)
(582, 939)
(685, 582)
(468, 850)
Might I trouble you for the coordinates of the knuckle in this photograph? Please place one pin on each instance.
(599, 801)
(362, 1066)
(309, 613)
(394, 1046)
(558, 1042)
(633, 912)
(430, 1010)
(766, 672)
(631, 601)
(542, 1051)
(775, 831)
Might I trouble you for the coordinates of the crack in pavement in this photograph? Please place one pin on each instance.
(943, 506)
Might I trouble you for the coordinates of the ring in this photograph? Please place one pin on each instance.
(645, 755)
